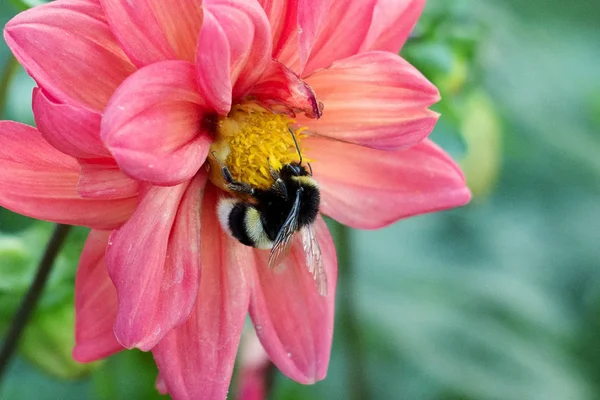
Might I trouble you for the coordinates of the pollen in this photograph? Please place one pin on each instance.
(251, 141)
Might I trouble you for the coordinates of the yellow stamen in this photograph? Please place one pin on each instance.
(249, 141)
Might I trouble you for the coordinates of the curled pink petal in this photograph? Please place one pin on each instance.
(102, 179)
(41, 182)
(49, 41)
(293, 321)
(280, 87)
(152, 125)
(369, 189)
(391, 25)
(72, 130)
(154, 262)
(155, 30)
(233, 50)
(375, 99)
(95, 303)
(196, 359)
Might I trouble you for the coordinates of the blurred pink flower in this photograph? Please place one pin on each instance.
(253, 370)
(130, 100)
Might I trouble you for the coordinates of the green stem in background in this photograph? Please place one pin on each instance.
(6, 76)
(346, 309)
(32, 296)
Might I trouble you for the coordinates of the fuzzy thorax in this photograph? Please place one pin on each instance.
(249, 140)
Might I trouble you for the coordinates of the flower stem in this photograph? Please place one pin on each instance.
(357, 382)
(32, 296)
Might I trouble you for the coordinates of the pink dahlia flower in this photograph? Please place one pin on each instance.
(133, 101)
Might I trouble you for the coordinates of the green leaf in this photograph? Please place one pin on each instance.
(49, 339)
(476, 333)
(23, 5)
(13, 222)
(20, 90)
(23, 382)
(15, 259)
(16, 273)
(127, 375)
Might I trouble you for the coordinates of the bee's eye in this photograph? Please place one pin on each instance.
(296, 169)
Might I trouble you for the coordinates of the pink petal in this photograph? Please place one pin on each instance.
(72, 130)
(280, 87)
(39, 181)
(342, 35)
(153, 261)
(295, 323)
(233, 50)
(196, 359)
(95, 303)
(283, 17)
(102, 179)
(152, 125)
(391, 24)
(155, 30)
(295, 25)
(354, 27)
(67, 47)
(369, 189)
(375, 99)
(312, 15)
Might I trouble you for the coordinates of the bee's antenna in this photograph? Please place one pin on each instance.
(310, 169)
(296, 143)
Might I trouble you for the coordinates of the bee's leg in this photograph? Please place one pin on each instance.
(278, 184)
(241, 187)
(279, 187)
(232, 184)
(235, 186)
(274, 174)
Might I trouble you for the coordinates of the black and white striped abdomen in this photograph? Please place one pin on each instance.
(242, 221)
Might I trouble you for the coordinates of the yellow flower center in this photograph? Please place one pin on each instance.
(249, 141)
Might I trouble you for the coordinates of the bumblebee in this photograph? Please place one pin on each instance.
(271, 218)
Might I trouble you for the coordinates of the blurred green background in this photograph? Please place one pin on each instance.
(497, 300)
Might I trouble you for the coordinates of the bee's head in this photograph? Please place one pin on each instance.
(293, 169)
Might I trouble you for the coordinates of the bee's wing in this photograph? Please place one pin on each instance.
(314, 259)
(283, 242)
